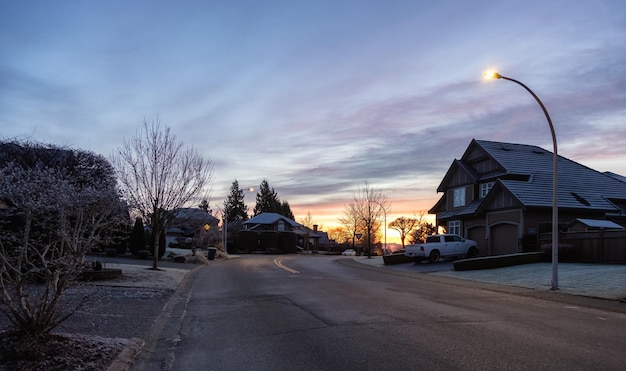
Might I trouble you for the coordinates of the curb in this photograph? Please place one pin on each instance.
(163, 320)
(125, 358)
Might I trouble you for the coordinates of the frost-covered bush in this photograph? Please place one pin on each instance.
(57, 204)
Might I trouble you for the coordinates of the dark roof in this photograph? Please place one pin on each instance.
(468, 209)
(578, 186)
(597, 224)
(187, 213)
(525, 171)
(616, 176)
(270, 218)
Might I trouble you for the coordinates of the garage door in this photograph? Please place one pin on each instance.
(478, 234)
(504, 239)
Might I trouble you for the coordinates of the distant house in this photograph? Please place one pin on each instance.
(272, 222)
(500, 195)
(308, 238)
(191, 224)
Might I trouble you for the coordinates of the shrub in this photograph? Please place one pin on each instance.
(248, 240)
(137, 238)
(268, 240)
(287, 242)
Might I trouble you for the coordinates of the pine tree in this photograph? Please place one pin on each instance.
(137, 239)
(267, 200)
(285, 210)
(234, 206)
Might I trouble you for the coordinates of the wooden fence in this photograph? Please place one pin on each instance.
(603, 246)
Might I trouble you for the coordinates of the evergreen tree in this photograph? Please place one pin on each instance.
(137, 238)
(267, 200)
(285, 210)
(234, 206)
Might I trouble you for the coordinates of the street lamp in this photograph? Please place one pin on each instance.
(225, 222)
(224, 227)
(555, 212)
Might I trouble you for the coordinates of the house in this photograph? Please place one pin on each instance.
(307, 238)
(272, 222)
(189, 224)
(500, 195)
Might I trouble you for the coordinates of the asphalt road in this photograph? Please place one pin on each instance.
(264, 312)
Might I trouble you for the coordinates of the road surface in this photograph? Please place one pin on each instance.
(264, 312)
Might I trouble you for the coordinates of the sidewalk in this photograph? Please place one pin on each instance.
(601, 281)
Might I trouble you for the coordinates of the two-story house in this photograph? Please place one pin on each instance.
(500, 195)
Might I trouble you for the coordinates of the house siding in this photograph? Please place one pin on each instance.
(487, 166)
(503, 200)
(461, 178)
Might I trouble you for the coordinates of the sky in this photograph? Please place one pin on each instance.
(318, 97)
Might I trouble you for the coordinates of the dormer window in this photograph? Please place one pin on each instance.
(485, 188)
(459, 197)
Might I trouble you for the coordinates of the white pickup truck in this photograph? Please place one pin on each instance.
(442, 245)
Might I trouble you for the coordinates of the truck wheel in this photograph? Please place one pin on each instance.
(434, 256)
(472, 252)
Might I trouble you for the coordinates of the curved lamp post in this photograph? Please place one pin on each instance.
(555, 212)
(225, 223)
(224, 228)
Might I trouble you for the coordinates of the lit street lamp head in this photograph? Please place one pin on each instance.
(492, 75)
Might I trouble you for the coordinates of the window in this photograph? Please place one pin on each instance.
(281, 225)
(454, 227)
(485, 188)
(432, 239)
(459, 197)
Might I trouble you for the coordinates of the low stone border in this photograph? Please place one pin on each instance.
(397, 259)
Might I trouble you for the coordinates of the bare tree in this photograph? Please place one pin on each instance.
(352, 221)
(308, 221)
(404, 226)
(370, 204)
(340, 234)
(157, 175)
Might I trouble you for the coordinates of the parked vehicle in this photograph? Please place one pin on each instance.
(442, 245)
(348, 252)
